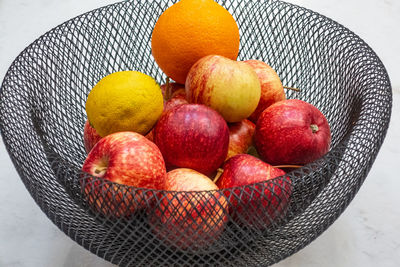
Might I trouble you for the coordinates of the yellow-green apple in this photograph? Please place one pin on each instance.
(192, 214)
(230, 87)
(124, 158)
(259, 193)
(271, 86)
(292, 132)
(240, 137)
(90, 136)
(192, 136)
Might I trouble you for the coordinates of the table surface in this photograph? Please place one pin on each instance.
(366, 234)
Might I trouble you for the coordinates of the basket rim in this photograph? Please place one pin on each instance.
(350, 138)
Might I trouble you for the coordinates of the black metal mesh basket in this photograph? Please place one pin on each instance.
(42, 117)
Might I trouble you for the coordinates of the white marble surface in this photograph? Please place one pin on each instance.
(367, 234)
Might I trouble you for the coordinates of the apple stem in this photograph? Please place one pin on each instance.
(100, 171)
(219, 173)
(314, 128)
(287, 166)
(167, 89)
(292, 88)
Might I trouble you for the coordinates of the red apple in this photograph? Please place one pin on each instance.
(180, 93)
(177, 98)
(240, 137)
(271, 86)
(150, 135)
(192, 136)
(260, 204)
(172, 88)
(125, 158)
(189, 219)
(90, 136)
(230, 87)
(292, 132)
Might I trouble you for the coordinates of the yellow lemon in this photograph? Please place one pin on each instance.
(124, 101)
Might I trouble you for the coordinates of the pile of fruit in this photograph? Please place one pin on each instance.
(221, 124)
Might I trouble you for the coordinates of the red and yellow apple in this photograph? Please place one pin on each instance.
(292, 132)
(124, 158)
(271, 86)
(230, 87)
(193, 214)
(256, 198)
(240, 137)
(90, 136)
(192, 136)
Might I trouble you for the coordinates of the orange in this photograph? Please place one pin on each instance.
(190, 30)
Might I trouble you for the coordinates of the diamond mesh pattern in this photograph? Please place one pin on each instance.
(42, 117)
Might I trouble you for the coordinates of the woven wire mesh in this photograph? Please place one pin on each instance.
(42, 118)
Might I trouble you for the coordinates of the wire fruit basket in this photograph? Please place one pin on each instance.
(42, 112)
